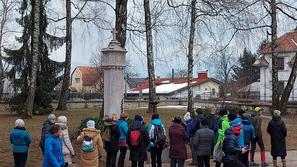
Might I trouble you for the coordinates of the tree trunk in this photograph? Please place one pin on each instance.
(152, 107)
(275, 84)
(65, 86)
(35, 55)
(121, 21)
(190, 56)
(289, 87)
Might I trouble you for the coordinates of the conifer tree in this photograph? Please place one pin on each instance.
(20, 61)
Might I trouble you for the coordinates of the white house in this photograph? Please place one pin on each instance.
(204, 87)
(286, 49)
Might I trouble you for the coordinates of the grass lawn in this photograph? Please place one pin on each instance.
(74, 117)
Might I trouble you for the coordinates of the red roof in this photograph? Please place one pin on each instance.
(285, 43)
(160, 81)
(90, 75)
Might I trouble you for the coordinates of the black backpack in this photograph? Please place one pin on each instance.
(159, 136)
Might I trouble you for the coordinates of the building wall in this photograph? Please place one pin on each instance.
(76, 75)
(283, 75)
(203, 90)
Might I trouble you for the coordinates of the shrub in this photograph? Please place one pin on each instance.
(99, 124)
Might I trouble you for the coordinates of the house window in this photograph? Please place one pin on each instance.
(213, 92)
(280, 63)
(281, 87)
(77, 80)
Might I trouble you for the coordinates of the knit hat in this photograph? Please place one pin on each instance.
(258, 109)
(203, 122)
(199, 111)
(223, 112)
(19, 123)
(276, 113)
(177, 119)
(91, 124)
(51, 117)
(62, 119)
(155, 116)
(187, 116)
(138, 118)
(236, 128)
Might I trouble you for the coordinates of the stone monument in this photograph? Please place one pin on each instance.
(113, 64)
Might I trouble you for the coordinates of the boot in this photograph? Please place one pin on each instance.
(284, 163)
(274, 163)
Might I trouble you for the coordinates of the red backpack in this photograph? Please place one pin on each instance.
(135, 138)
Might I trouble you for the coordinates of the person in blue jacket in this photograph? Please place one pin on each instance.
(231, 146)
(53, 148)
(249, 135)
(123, 127)
(234, 119)
(189, 122)
(20, 140)
(154, 147)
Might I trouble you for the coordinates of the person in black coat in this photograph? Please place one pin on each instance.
(138, 149)
(278, 133)
(111, 137)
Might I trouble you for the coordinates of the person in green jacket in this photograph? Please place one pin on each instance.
(223, 125)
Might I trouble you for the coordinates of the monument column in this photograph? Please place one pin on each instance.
(113, 64)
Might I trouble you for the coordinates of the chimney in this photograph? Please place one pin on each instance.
(202, 75)
(172, 75)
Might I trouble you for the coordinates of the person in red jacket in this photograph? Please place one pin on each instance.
(178, 138)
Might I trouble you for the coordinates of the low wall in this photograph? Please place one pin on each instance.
(130, 104)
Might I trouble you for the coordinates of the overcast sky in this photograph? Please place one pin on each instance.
(170, 53)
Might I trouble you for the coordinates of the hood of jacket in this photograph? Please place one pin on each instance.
(236, 121)
(121, 122)
(157, 122)
(63, 126)
(276, 118)
(246, 122)
(91, 132)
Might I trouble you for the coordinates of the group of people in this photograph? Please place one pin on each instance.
(229, 137)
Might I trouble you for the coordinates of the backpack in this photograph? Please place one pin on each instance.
(218, 152)
(106, 136)
(135, 138)
(88, 145)
(159, 136)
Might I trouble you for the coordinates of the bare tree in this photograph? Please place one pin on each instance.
(152, 107)
(121, 21)
(6, 7)
(66, 78)
(190, 56)
(36, 7)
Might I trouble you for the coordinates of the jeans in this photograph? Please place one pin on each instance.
(156, 154)
(140, 163)
(123, 151)
(111, 158)
(180, 163)
(245, 159)
(234, 163)
(259, 140)
(203, 161)
(20, 159)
